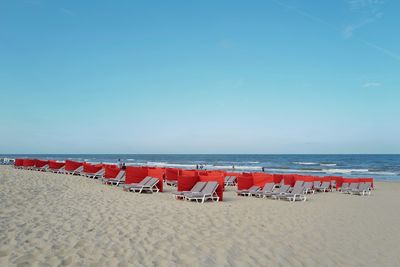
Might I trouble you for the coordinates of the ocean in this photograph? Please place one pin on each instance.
(381, 167)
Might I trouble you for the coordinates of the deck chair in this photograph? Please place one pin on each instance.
(195, 189)
(119, 179)
(60, 170)
(324, 187)
(172, 182)
(149, 187)
(283, 189)
(351, 187)
(316, 184)
(296, 194)
(345, 186)
(208, 192)
(298, 184)
(362, 190)
(43, 168)
(231, 181)
(96, 175)
(127, 187)
(77, 171)
(268, 188)
(248, 192)
(226, 179)
(308, 188)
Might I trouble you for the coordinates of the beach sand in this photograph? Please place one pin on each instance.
(50, 220)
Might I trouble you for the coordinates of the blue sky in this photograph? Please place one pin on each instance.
(273, 76)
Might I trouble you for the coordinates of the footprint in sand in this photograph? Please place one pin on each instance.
(5, 252)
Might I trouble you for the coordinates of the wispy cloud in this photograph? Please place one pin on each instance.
(368, 11)
(371, 7)
(68, 12)
(372, 84)
(351, 28)
(364, 4)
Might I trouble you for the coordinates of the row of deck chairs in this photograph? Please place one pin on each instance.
(62, 170)
(270, 190)
(201, 192)
(361, 189)
(281, 191)
(147, 185)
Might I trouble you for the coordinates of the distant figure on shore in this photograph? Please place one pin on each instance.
(233, 167)
(262, 169)
(197, 166)
(119, 163)
(123, 167)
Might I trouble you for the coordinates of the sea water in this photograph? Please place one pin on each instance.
(382, 167)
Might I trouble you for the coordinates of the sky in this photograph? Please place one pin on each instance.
(210, 76)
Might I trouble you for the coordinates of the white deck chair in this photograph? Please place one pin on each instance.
(248, 192)
(127, 187)
(119, 179)
(324, 187)
(149, 187)
(308, 188)
(363, 190)
(195, 189)
(351, 187)
(96, 175)
(281, 190)
(268, 188)
(208, 192)
(296, 194)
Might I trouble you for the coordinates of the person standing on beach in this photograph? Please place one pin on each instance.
(119, 163)
(262, 169)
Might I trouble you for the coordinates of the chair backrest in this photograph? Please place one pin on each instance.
(298, 190)
(254, 188)
(308, 185)
(298, 184)
(345, 185)
(152, 182)
(227, 178)
(369, 184)
(364, 187)
(120, 175)
(79, 169)
(145, 180)
(354, 185)
(100, 172)
(233, 179)
(198, 187)
(284, 188)
(268, 187)
(317, 183)
(210, 188)
(325, 184)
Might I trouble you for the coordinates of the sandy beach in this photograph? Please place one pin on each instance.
(58, 220)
